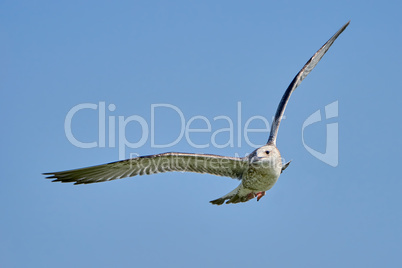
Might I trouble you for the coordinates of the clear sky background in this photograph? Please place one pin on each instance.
(202, 57)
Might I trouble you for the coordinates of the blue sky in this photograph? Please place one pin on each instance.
(202, 58)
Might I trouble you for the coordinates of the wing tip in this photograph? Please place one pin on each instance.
(50, 175)
(342, 28)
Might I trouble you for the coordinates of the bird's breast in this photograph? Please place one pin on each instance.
(260, 178)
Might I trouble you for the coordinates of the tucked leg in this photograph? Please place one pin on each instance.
(250, 196)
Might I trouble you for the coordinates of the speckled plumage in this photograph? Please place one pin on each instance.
(258, 172)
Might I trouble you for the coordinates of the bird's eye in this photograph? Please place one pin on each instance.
(267, 152)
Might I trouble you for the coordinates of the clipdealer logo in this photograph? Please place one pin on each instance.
(108, 123)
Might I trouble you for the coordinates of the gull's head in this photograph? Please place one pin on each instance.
(267, 155)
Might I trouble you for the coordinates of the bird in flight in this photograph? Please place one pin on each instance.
(257, 172)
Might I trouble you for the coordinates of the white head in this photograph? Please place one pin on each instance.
(268, 156)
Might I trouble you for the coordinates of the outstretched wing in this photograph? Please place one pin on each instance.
(312, 62)
(145, 165)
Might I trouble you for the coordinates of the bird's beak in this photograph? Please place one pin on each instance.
(255, 159)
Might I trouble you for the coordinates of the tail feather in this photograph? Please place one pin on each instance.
(235, 196)
(222, 200)
(218, 201)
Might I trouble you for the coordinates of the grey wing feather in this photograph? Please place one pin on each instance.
(145, 165)
(307, 68)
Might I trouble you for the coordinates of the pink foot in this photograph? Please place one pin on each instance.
(259, 195)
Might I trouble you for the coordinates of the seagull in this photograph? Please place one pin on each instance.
(257, 172)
